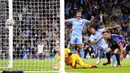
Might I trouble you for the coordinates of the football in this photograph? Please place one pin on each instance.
(10, 22)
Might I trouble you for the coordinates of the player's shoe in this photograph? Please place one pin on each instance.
(106, 63)
(93, 66)
(118, 65)
(98, 61)
(114, 65)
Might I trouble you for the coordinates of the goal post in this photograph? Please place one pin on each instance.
(62, 36)
(10, 3)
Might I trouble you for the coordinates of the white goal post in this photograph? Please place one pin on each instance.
(62, 36)
(10, 35)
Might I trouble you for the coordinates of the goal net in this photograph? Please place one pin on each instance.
(4, 35)
(36, 34)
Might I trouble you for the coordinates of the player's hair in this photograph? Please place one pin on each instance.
(106, 31)
(95, 26)
(79, 11)
(70, 54)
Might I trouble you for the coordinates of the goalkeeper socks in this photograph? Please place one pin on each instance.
(73, 51)
(113, 59)
(118, 58)
(81, 52)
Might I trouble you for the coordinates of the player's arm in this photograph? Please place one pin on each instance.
(112, 27)
(69, 20)
(92, 41)
(96, 41)
(121, 50)
(90, 21)
(66, 20)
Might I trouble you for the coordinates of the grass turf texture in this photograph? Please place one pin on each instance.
(40, 65)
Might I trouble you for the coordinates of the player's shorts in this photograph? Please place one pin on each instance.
(105, 47)
(76, 39)
(113, 47)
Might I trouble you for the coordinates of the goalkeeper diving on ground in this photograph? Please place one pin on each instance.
(72, 60)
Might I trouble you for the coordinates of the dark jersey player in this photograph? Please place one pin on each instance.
(117, 43)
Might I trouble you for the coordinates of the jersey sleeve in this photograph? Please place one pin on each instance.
(85, 21)
(71, 20)
(101, 30)
(91, 39)
(117, 40)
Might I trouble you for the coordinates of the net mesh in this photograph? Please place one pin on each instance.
(4, 34)
(36, 32)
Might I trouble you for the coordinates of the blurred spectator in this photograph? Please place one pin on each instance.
(128, 49)
(20, 16)
(67, 10)
(25, 35)
(24, 53)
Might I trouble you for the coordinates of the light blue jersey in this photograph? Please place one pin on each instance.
(102, 42)
(77, 27)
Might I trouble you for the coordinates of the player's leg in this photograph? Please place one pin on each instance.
(100, 53)
(84, 65)
(81, 50)
(80, 47)
(81, 62)
(113, 60)
(72, 46)
(101, 50)
(105, 47)
(117, 56)
(108, 56)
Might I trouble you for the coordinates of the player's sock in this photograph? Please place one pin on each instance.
(73, 51)
(99, 57)
(118, 58)
(100, 53)
(81, 52)
(113, 59)
(108, 57)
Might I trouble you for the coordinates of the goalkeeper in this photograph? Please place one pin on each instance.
(73, 60)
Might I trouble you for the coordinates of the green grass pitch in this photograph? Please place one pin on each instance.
(31, 65)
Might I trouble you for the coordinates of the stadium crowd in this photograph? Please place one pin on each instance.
(38, 25)
(107, 13)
